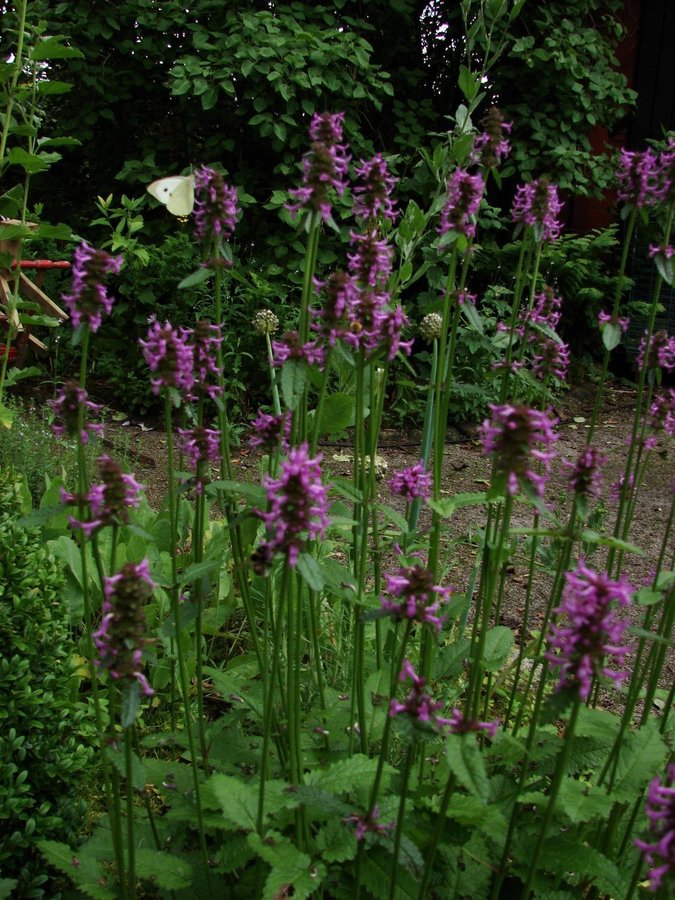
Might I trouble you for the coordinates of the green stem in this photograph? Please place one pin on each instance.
(399, 821)
(129, 787)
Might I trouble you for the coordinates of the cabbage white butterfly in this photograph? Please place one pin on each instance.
(177, 193)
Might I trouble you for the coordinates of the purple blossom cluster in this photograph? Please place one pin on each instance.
(206, 339)
(71, 402)
(268, 432)
(585, 478)
(108, 501)
(417, 598)
(340, 297)
(411, 482)
(587, 630)
(297, 507)
(492, 146)
(537, 205)
(290, 347)
(661, 414)
(661, 352)
(88, 299)
(216, 207)
(514, 437)
(458, 724)
(464, 196)
(200, 445)
(373, 190)
(368, 824)
(660, 852)
(324, 167)
(640, 178)
(605, 318)
(120, 638)
(169, 353)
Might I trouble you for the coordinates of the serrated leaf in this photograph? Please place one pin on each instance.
(238, 800)
(473, 317)
(641, 756)
(137, 771)
(310, 570)
(665, 267)
(466, 763)
(345, 774)
(53, 48)
(562, 857)
(582, 801)
(499, 642)
(447, 507)
(291, 869)
(336, 413)
(293, 382)
(166, 870)
(86, 872)
(336, 842)
(376, 876)
(6, 417)
(199, 570)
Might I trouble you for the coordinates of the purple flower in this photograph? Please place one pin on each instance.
(661, 415)
(465, 193)
(420, 707)
(617, 488)
(88, 299)
(457, 724)
(66, 408)
(200, 445)
(661, 353)
(512, 436)
(370, 264)
(664, 252)
(607, 319)
(324, 167)
(391, 324)
(589, 631)
(121, 636)
(492, 146)
(372, 195)
(586, 475)
(411, 482)
(340, 297)
(660, 853)
(216, 208)
(206, 339)
(639, 179)
(298, 502)
(667, 171)
(368, 824)
(109, 501)
(419, 599)
(550, 357)
(545, 310)
(536, 204)
(289, 347)
(170, 355)
(269, 431)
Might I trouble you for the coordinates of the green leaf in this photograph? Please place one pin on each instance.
(336, 413)
(468, 83)
(7, 886)
(345, 775)
(200, 570)
(31, 162)
(87, 873)
(606, 540)
(116, 757)
(641, 756)
(447, 507)
(336, 842)
(466, 762)
(52, 48)
(194, 278)
(310, 570)
(473, 317)
(14, 375)
(499, 642)
(293, 382)
(611, 335)
(6, 417)
(238, 800)
(582, 801)
(665, 268)
(131, 703)
(562, 856)
(49, 88)
(166, 870)
(293, 872)
(376, 876)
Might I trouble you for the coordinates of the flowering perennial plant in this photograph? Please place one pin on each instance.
(120, 638)
(373, 190)
(512, 437)
(269, 431)
(585, 478)
(324, 167)
(71, 403)
(200, 445)
(660, 852)
(216, 207)
(537, 205)
(639, 177)
(417, 598)
(465, 193)
(298, 503)
(109, 501)
(661, 353)
(493, 145)
(588, 631)
(170, 355)
(206, 339)
(411, 482)
(89, 300)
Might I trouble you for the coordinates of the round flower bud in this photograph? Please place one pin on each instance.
(265, 322)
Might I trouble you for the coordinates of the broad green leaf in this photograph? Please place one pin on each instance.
(345, 775)
(238, 800)
(200, 570)
(87, 873)
(166, 870)
(6, 417)
(117, 758)
(293, 872)
(562, 856)
(665, 268)
(606, 540)
(49, 88)
(468, 83)
(293, 382)
(641, 757)
(53, 48)
(447, 507)
(310, 570)
(499, 642)
(336, 841)
(336, 413)
(376, 877)
(466, 763)
(472, 316)
(611, 335)
(194, 278)
(582, 801)
(131, 703)
(7, 886)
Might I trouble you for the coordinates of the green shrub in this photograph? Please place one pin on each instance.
(42, 758)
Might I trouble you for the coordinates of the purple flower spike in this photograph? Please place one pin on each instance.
(216, 208)
(589, 631)
(457, 724)
(639, 179)
(370, 264)
(291, 348)
(268, 431)
(419, 599)
(491, 147)
(512, 437)
(586, 476)
(372, 194)
(88, 299)
(417, 705)
(661, 353)
(465, 193)
(411, 482)
(206, 339)
(200, 445)
(536, 204)
(324, 167)
(121, 636)
(170, 356)
(660, 853)
(298, 502)
(109, 501)
(66, 408)
(340, 297)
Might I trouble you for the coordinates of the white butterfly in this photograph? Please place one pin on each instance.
(177, 193)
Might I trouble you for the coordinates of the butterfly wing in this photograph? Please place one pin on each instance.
(177, 193)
